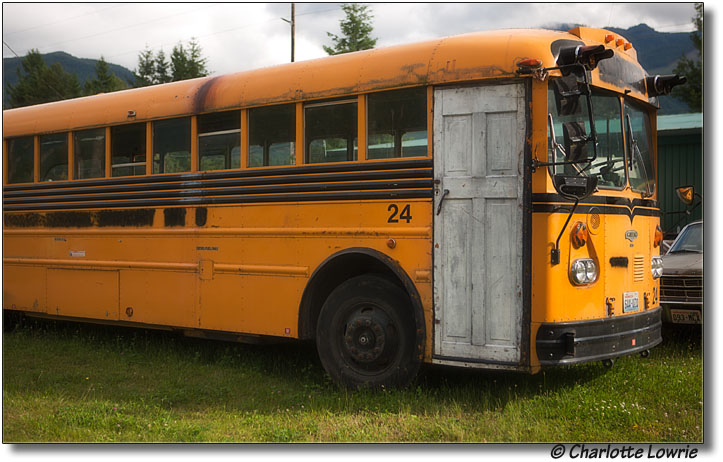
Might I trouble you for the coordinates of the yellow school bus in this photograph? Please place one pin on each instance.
(485, 200)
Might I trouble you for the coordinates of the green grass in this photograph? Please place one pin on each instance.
(81, 383)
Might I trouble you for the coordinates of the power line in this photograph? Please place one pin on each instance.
(13, 51)
(47, 83)
(64, 20)
(123, 28)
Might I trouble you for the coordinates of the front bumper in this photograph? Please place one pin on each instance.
(584, 341)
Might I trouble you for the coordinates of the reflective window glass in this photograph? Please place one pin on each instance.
(89, 153)
(397, 124)
(272, 136)
(330, 132)
(21, 160)
(128, 150)
(54, 157)
(172, 145)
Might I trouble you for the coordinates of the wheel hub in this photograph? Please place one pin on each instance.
(365, 338)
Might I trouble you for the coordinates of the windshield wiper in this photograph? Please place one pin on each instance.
(634, 150)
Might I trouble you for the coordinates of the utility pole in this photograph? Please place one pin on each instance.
(293, 28)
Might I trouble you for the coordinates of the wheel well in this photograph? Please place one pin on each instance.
(346, 265)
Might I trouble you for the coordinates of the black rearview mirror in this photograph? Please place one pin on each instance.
(567, 95)
(575, 141)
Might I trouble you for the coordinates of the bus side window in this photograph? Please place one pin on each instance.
(272, 135)
(219, 141)
(397, 124)
(54, 157)
(330, 132)
(172, 145)
(21, 160)
(128, 150)
(89, 149)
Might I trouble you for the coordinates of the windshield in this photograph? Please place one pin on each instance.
(690, 240)
(640, 171)
(609, 166)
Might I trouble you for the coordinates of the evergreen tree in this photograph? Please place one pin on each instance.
(692, 69)
(145, 72)
(105, 81)
(179, 63)
(356, 29)
(161, 74)
(187, 63)
(39, 83)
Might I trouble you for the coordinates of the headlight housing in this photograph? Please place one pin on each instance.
(656, 267)
(583, 271)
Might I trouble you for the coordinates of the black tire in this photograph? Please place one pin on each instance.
(365, 334)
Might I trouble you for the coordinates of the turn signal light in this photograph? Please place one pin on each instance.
(579, 234)
(528, 66)
(658, 239)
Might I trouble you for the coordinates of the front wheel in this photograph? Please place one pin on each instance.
(365, 334)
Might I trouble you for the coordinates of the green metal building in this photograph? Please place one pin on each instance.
(680, 163)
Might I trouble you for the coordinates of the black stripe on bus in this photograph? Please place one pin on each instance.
(601, 200)
(196, 201)
(218, 175)
(594, 208)
(291, 179)
(247, 190)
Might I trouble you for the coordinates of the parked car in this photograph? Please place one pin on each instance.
(681, 286)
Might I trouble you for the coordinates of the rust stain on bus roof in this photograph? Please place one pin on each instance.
(200, 102)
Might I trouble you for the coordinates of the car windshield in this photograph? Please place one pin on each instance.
(609, 166)
(690, 240)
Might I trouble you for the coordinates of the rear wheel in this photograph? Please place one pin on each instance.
(365, 334)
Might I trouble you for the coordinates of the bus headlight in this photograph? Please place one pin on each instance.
(656, 267)
(583, 271)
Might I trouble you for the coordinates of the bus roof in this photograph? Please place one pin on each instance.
(461, 58)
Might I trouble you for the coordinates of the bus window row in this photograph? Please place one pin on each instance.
(396, 126)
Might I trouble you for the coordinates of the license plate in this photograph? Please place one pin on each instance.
(685, 316)
(630, 302)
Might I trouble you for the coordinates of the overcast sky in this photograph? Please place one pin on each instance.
(240, 36)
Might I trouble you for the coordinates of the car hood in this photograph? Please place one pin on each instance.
(683, 264)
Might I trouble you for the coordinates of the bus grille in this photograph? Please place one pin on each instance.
(681, 289)
(639, 268)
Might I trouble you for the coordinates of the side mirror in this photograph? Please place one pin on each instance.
(567, 95)
(663, 84)
(686, 194)
(575, 141)
(575, 187)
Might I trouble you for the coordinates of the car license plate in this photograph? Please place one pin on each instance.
(630, 302)
(685, 316)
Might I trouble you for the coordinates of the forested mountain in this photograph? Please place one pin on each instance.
(83, 68)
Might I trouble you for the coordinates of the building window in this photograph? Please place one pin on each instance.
(21, 160)
(219, 141)
(89, 153)
(128, 150)
(330, 132)
(397, 124)
(172, 145)
(272, 135)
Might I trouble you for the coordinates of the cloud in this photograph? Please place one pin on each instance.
(240, 36)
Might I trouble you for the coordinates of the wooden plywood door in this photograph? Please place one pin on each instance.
(479, 137)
